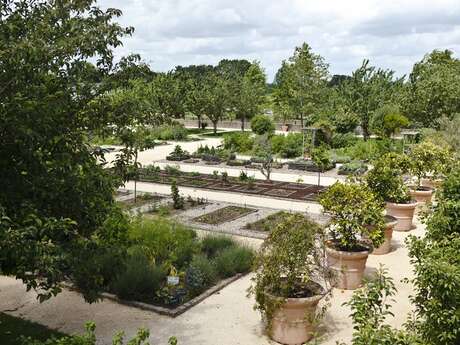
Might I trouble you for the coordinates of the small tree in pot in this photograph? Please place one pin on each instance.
(291, 278)
(353, 207)
(428, 162)
(387, 183)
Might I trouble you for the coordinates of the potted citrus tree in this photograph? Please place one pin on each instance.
(291, 278)
(356, 219)
(385, 180)
(428, 163)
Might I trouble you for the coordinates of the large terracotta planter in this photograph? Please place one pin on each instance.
(422, 194)
(347, 266)
(385, 247)
(292, 321)
(404, 213)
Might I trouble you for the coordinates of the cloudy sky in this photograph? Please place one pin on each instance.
(392, 34)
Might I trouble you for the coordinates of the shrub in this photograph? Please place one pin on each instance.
(352, 206)
(178, 200)
(178, 154)
(385, 178)
(170, 132)
(340, 140)
(166, 242)
(290, 263)
(234, 259)
(262, 124)
(172, 170)
(140, 280)
(200, 274)
(212, 244)
(341, 159)
(352, 168)
(289, 146)
(238, 142)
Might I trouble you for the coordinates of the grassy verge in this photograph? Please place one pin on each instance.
(12, 328)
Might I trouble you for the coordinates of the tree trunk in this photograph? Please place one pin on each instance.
(214, 125)
(365, 128)
(199, 121)
(301, 121)
(242, 124)
(135, 178)
(319, 178)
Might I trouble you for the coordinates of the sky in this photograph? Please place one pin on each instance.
(391, 34)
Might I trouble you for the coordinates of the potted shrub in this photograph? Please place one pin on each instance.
(428, 163)
(386, 181)
(356, 219)
(291, 278)
(385, 247)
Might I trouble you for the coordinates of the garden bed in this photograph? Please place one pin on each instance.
(268, 223)
(224, 214)
(285, 190)
(141, 199)
(168, 268)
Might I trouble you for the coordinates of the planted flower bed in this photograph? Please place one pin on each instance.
(225, 214)
(287, 190)
(270, 222)
(168, 265)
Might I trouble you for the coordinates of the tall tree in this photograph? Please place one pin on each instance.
(195, 100)
(217, 98)
(56, 197)
(250, 96)
(301, 83)
(433, 90)
(168, 95)
(368, 90)
(129, 68)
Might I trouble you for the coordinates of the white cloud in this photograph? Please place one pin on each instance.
(392, 34)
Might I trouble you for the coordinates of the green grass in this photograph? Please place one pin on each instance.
(12, 328)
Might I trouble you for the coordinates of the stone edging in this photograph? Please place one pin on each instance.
(180, 309)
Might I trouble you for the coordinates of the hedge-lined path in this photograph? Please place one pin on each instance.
(226, 318)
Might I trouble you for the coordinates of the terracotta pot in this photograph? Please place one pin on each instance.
(422, 194)
(385, 247)
(285, 128)
(433, 184)
(404, 213)
(291, 323)
(348, 267)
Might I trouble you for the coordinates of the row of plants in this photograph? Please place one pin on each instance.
(167, 264)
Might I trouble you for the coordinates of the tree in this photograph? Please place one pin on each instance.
(301, 83)
(195, 98)
(56, 204)
(320, 156)
(264, 153)
(433, 89)
(129, 68)
(250, 95)
(368, 90)
(217, 98)
(168, 95)
(387, 121)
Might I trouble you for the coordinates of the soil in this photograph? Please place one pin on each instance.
(285, 190)
(225, 214)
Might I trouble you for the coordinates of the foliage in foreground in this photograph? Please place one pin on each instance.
(89, 338)
(436, 282)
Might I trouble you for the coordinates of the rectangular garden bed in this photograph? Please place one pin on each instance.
(224, 214)
(268, 223)
(286, 190)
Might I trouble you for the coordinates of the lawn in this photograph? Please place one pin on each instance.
(12, 328)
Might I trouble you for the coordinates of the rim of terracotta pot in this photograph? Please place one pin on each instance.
(421, 189)
(411, 204)
(300, 300)
(356, 254)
